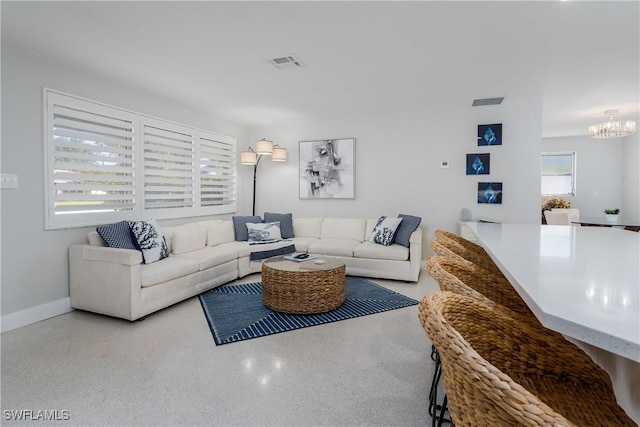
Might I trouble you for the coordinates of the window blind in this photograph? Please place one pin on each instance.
(91, 161)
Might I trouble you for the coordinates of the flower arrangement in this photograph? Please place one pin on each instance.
(554, 202)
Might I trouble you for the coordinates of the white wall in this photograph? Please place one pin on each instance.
(398, 166)
(599, 169)
(34, 261)
(630, 206)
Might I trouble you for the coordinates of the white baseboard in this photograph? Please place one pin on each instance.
(35, 314)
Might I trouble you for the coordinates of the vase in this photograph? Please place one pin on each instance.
(612, 218)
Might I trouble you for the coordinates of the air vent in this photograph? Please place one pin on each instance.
(287, 61)
(487, 101)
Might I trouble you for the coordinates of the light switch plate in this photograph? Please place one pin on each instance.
(9, 180)
(444, 164)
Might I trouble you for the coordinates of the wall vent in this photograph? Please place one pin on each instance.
(487, 101)
(287, 61)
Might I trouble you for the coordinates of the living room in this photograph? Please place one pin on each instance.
(398, 152)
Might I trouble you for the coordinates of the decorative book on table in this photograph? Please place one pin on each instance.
(299, 257)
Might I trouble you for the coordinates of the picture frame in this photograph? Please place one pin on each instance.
(490, 134)
(326, 169)
(478, 164)
(490, 193)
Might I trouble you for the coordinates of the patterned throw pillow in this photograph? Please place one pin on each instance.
(286, 223)
(384, 230)
(240, 226)
(117, 235)
(263, 232)
(150, 240)
(408, 225)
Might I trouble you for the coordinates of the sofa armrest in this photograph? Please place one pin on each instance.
(105, 280)
(116, 255)
(415, 253)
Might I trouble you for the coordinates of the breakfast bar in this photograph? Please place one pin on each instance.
(583, 282)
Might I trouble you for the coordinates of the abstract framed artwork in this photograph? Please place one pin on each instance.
(327, 169)
(478, 164)
(490, 193)
(490, 134)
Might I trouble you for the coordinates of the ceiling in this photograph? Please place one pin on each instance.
(359, 58)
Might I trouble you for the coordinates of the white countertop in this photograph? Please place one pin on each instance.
(583, 282)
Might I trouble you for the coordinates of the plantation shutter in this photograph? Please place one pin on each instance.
(90, 161)
(169, 168)
(217, 172)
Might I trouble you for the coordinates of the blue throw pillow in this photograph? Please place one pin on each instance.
(408, 225)
(117, 235)
(286, 223)
(240, 226)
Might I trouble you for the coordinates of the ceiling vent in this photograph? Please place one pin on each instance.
(284, 62)
(487, 101)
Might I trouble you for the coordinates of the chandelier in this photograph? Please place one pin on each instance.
(612, 128)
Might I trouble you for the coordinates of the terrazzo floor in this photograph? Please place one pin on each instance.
(92, 370)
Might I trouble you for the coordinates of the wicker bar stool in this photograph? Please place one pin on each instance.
(448, 247)
(466, 278)
(501, 371)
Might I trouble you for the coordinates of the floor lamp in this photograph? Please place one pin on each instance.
(252, 157)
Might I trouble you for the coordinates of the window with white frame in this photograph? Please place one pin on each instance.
(108, 164)
(558, 174)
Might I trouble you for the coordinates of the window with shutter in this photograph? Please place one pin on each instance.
(217, 172)
(168, 165)
(90, 163)
(106, 164)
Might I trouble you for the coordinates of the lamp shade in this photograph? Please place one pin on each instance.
(264, 147)
(279, 154)
(248, 158)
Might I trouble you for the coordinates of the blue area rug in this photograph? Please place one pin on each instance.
(236, 313)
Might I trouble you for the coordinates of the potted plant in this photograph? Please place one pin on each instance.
(554, 202)
(612, 214)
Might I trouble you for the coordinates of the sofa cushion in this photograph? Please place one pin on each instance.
(95, 239)
(188, 239)
(384, 230)
(150, 240)
(408, 225)
(240, 226)
(118, 235)
(307, 227)
(241, 248)
(168, 269)
(335, 247)
(285, 220)
(218, 234)
(375, 251)
(302, 243)
(211, 256)
(263, 232)
(343, 228)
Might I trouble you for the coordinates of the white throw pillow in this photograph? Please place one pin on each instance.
(384, 230)
(264, 231)
(150, 240)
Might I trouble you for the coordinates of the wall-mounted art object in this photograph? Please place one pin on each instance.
(478, 164)
(490, 134)
(327, 169)
(490, 192)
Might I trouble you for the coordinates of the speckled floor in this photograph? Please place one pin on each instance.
(166, 370)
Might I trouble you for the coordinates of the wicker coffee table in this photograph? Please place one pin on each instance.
(302, 287)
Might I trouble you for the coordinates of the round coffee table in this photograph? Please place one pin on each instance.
(302, 287)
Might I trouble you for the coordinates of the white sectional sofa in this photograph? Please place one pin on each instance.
(203, 255)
